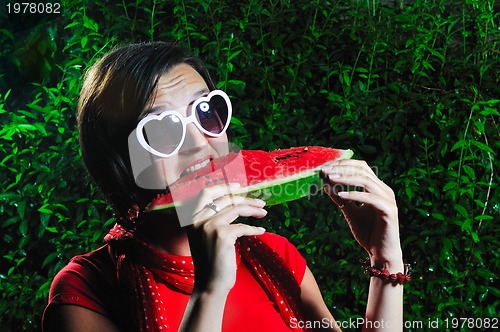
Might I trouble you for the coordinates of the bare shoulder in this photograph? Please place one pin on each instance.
(78, 319)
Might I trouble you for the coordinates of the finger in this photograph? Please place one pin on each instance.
(364, 181)
(232, 200)
(361, 165)
(332, 191)
(352, 162)
(209, 194)
(223, 202)
(386, 207)
(234, 231)
(231, 213)
(333, 163)
(358, 175)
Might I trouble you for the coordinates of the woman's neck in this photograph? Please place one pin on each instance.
(165, 233)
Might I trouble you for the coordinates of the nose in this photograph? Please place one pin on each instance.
(194, 141)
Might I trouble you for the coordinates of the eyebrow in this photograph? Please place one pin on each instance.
(194, 96)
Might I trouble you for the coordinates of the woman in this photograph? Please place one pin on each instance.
(246, 279)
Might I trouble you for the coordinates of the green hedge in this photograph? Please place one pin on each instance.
(412, 87)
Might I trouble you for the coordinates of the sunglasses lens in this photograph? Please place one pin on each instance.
(213, 115)
(163, 135)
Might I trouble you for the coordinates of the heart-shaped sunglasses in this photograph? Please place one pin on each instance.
(163, 134)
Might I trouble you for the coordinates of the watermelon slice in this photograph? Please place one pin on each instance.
(275, 177)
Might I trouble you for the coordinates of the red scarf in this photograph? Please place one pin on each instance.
(139, 265)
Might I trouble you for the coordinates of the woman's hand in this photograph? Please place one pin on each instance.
(374, 220)
(212, 235)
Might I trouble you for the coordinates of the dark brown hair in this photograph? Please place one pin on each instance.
(115, 91)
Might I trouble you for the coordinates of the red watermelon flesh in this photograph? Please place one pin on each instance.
(276, 177)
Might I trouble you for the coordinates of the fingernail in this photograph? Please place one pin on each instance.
(343, 193)
(334, 176)
(260, 202)
(262, 229)
(330, 165)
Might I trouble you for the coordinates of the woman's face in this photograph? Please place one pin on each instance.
(177, 90)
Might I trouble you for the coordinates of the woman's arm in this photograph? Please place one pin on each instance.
(212, 237)
(315, 309)
(384, 310)
(372, 216)
(204, 311)
(72, 318)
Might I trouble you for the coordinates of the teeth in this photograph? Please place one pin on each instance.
(196, 167)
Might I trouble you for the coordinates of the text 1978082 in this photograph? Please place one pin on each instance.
(33, 8)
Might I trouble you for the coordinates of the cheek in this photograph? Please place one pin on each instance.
(159, 175)
(219, 145)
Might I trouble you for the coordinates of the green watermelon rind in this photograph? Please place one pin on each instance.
(278, 193)
(275, 191)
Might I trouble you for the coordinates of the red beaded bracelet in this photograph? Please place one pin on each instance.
(394, 278)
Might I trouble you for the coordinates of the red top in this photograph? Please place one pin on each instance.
(89, 281)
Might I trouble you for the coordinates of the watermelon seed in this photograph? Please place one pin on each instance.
(288, 156)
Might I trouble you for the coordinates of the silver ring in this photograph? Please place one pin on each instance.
(213, 206)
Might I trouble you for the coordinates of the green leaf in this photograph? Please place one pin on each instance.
(483, 217)
(347, 78)
(49, 259)
(458, 145)
(51, 229)
(236, 121)
(84, 41)
(23, 227)
(470, 172)
(487, 274)
(44, 209)
(438, 216)
(7, 94)
(450, 186)
(90, 24)
(489, 111)
(482, 146)
(461, 210)
(475, 237)
(44, 219)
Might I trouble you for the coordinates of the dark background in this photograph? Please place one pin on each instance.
(412, 87)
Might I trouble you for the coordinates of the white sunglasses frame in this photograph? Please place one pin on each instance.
(185, 121)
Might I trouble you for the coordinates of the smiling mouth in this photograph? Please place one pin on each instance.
(195, 167)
